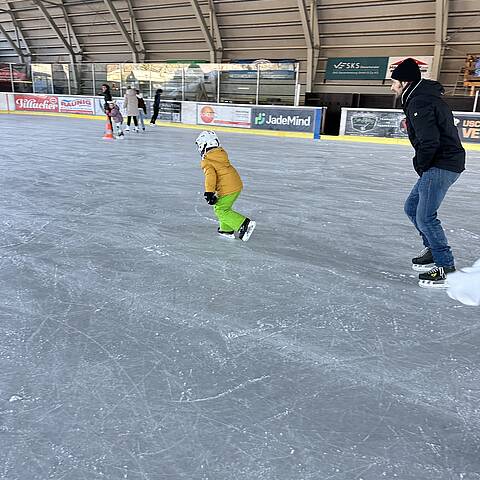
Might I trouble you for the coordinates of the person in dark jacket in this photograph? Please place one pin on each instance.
(156, 106)
(439, 160)
(107, 96)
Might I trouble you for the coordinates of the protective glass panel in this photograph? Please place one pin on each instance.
(276, 83)
(169, 78)
(42, 78)
(201, 82)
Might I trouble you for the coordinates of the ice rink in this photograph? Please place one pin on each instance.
(136, 344)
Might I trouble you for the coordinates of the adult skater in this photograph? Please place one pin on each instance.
(130, 104)
(156, 106)
(223, 186)
(106, 94)
(439, 159)
(107, 97)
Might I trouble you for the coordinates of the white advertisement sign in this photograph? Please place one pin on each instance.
(224, 115)
(425, 64)
(80, 105)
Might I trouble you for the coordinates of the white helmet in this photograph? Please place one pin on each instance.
(207, 139)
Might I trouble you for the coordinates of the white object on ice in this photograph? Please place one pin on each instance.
(464, 285)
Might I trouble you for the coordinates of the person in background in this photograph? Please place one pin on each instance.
(130, 104)
(116, 118)
(107, 97)
(142, 109)
(156, 106)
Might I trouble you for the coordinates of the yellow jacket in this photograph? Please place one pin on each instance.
(220, 176)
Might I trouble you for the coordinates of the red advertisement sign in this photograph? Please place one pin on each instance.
(36, 103)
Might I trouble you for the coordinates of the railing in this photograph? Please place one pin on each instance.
(258, 83)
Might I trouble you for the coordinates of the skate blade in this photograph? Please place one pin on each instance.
(430, 284)
(250, 229)
(422, 268)
(228, 237)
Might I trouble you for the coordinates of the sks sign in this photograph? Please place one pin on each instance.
(291, 119)
(36, 103)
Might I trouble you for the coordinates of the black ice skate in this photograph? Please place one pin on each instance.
(435, 277)
(230, 235)
(424, 262)
(246, 230)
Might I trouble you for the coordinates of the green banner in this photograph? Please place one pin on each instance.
(356, 68)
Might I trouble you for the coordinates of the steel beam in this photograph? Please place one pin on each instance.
(17, 49)
(205, 31)
(55, 27)
(441, 23)
(315, 38)
(70, 30)
(18, 31)
(307, 33)
(123, 30)
(141, 51)
(214, 27)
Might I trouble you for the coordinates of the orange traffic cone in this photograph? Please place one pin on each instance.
(108, 131)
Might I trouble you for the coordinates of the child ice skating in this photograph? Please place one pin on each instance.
(223, 186)
(117, 119)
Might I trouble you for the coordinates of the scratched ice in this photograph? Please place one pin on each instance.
(135, 344)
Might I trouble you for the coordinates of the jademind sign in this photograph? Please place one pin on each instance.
(286, 119)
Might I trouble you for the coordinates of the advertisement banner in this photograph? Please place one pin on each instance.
(224, 115)
(36, 103)
(286, 119)
(468, 125)
(425, 64)
(79, 105)
(356, 68)
(170, 112)
(376, 123)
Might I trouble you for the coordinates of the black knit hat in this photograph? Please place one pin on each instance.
(407, 71)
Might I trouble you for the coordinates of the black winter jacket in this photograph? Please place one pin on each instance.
(156, 100)
(142, 105)
(431, 128)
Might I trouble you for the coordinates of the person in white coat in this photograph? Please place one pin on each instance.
(464, 285)
(130, 104)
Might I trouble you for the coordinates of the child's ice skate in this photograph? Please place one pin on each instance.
(435, 277)
(246, 229)
(135, 129)
(230, 235)
(127, 128)
(424, 262)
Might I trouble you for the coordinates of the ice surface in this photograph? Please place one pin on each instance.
(138, 345)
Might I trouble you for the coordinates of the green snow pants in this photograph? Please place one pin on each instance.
(228, 218)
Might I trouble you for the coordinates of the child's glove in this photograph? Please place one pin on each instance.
(210, 198)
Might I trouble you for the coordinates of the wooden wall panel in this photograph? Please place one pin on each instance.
(254, 29)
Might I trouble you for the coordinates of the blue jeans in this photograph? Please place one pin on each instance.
(421, 208)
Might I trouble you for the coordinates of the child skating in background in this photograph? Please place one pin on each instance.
(117, 120)
(142, 109)
(223, 186)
